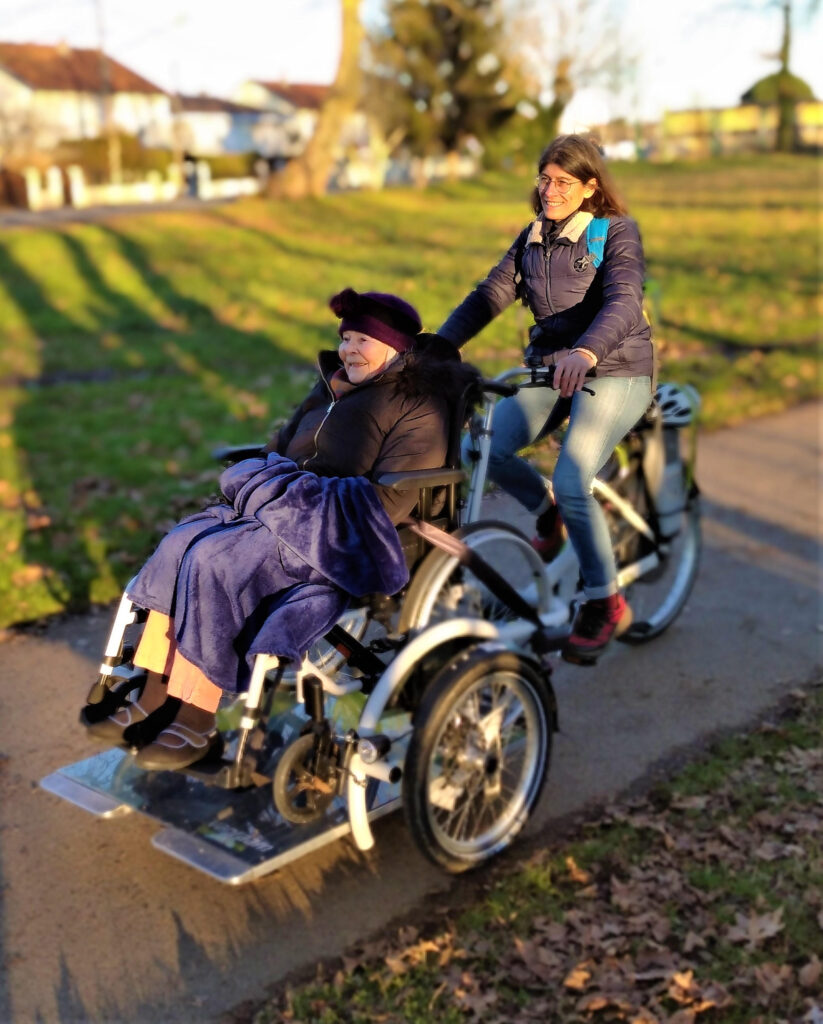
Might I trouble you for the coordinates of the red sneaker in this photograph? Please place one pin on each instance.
(596, 623)
(551, 534)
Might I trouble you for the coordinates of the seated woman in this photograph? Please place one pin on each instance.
(302, 530)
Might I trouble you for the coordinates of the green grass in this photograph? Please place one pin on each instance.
(132, 346)
(700, 901)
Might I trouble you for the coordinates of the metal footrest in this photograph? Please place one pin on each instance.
(233, 836)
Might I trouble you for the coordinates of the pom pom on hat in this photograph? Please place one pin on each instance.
(381, 315)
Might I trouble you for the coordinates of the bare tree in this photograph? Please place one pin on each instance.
(570, 44)
(308, 173)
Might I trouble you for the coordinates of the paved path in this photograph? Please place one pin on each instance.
(13, 217)
(96, 925)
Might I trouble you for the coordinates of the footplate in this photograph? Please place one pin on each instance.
(233, 836)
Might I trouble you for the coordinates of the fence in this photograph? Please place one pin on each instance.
(57, 187)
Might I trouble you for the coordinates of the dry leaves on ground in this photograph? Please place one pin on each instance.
(701, 915)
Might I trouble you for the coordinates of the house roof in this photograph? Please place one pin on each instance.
(62, 68)
(301, 95)
(213, 104)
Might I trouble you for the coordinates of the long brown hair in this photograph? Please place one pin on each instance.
(580, 157)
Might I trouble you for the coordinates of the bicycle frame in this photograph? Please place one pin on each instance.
(559, 567)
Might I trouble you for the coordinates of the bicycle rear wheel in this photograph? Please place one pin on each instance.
(659, 596)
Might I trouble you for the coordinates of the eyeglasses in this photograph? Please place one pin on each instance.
(562, 185)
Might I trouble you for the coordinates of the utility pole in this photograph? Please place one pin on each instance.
(106, 100)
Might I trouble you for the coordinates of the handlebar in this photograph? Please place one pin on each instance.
(540, 376)
(496, 387)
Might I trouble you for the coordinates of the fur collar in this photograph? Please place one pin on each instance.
(576, 225)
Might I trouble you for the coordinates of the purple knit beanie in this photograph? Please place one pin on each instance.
(386, 317)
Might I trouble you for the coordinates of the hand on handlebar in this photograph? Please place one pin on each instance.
(570, 373)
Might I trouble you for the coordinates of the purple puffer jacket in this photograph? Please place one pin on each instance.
(572, 303)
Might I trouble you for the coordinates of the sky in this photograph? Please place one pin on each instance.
(689, 52)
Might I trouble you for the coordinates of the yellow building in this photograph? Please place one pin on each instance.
(742, 129)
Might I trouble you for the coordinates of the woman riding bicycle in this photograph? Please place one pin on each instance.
(588, 321)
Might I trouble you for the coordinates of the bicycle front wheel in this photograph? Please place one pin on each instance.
(442, 589)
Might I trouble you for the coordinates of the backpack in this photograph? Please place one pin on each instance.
(596, 232)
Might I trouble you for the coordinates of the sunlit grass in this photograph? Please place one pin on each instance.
(132, 346)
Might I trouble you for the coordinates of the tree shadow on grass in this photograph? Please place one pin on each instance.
(84, 442)
(769, 280)
(729, 347)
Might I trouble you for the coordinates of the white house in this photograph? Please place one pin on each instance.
(50, 93)
(289, 114)
(208, 126)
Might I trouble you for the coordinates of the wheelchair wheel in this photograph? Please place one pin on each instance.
(442, 589)
(295, 795)
(477, 758)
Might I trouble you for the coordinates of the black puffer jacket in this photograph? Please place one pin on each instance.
(395, 422)
(573, 303)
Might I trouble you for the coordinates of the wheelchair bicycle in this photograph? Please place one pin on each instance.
(438, 698)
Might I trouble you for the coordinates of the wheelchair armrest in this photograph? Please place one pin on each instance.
(237, 452)
(418, 478)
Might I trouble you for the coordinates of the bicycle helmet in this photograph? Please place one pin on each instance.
(678, 403)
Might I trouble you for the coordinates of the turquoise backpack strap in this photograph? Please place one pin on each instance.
(596, 232)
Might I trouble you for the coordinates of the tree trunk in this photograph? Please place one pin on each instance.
(786, 140)
(308, 174)
(563, 90)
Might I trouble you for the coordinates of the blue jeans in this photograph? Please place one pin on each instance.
(596, 424)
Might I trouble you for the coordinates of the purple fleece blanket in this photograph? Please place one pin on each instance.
(274, 570)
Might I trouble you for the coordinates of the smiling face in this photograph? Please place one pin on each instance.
(363, 356)
(557, 205)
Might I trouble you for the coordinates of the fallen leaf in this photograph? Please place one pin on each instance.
(37, 520)
(542, 962)
(682, 987)
(756, 929)
(476, 1002)
(809, 974)
(577, 874)
(555, 931)
(27, 575)
(689, 803)
(771, 977)
(600, 1001)
(682, 1017)
(771, 850)
(693, 941)
(579, 976)
(396, 964)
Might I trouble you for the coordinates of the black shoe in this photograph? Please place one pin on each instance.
(111, 728)
(142, 733)
(178, 746)
(97, 719)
